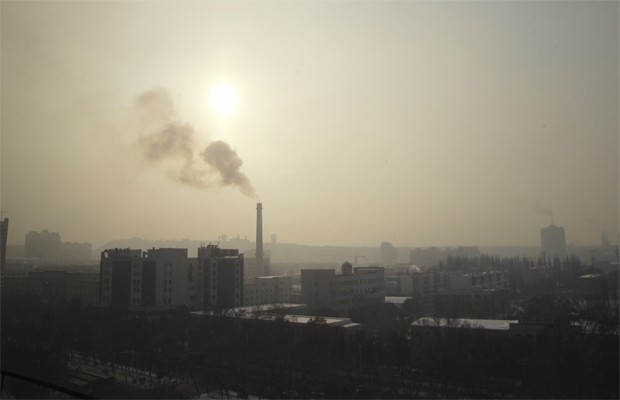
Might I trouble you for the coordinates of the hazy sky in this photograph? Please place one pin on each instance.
(418, 123)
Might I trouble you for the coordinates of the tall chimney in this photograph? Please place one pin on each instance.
(259, 239)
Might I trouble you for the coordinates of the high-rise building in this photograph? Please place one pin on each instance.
(167, 277)
(316, 288)
(553, 241)
(388, 254)
(42, 244)
(162, 278)
(222, 283)
(48, 245)
(118, 278)
(426, 257)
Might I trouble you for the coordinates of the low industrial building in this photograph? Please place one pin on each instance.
(270, 313)
(530, 328)
(52, 286)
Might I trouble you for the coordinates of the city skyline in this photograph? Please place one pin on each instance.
(413, 123)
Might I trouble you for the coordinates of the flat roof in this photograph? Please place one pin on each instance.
(492, 324)
(271, 276)
(590, 276)
(396, 299)
(293, 318)
(351, 325)
(253, 309)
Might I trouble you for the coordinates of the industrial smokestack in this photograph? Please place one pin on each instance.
(259, 239)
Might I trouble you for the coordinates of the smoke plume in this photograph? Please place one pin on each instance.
(540, 210)
(220, 156)
(167, 142)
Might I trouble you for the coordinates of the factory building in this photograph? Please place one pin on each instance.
(52, 286)
(293, 314)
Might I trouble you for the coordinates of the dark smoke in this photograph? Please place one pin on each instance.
(158, 103)
(170, 143)
(220, 156)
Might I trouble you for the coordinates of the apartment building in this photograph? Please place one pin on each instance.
(268, 290)
(324, 289)
(167, 277)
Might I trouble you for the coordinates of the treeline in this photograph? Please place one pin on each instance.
(486, 262)
(548, 366)
(281, 359)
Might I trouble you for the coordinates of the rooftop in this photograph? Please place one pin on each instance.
(590, 276)
(396, 299)
(492, 324)
(263, 308)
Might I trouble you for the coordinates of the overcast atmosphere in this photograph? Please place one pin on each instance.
(418, 123)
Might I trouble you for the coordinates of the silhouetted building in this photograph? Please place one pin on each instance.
(423, 287)
(388, 254)
(53, 286)
(222, 286)
(606, 260)
(76, 251)
(346, 268)
(47, 245)
(166, 278)
(118, 276)
(426, 257)
(316, 288)
(42, 244)
(323, 289)
(474, 294)
(553, 241)
(4, 233)
(605, 240)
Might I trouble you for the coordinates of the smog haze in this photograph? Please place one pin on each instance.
(418, 123)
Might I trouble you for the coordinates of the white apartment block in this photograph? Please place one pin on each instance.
(344, 292)
(167, 277)
(268, 290)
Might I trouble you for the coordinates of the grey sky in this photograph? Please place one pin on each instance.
(419, 123)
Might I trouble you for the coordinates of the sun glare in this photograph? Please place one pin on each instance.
(223, 99)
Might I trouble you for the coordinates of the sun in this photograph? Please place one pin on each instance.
(223, 99)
